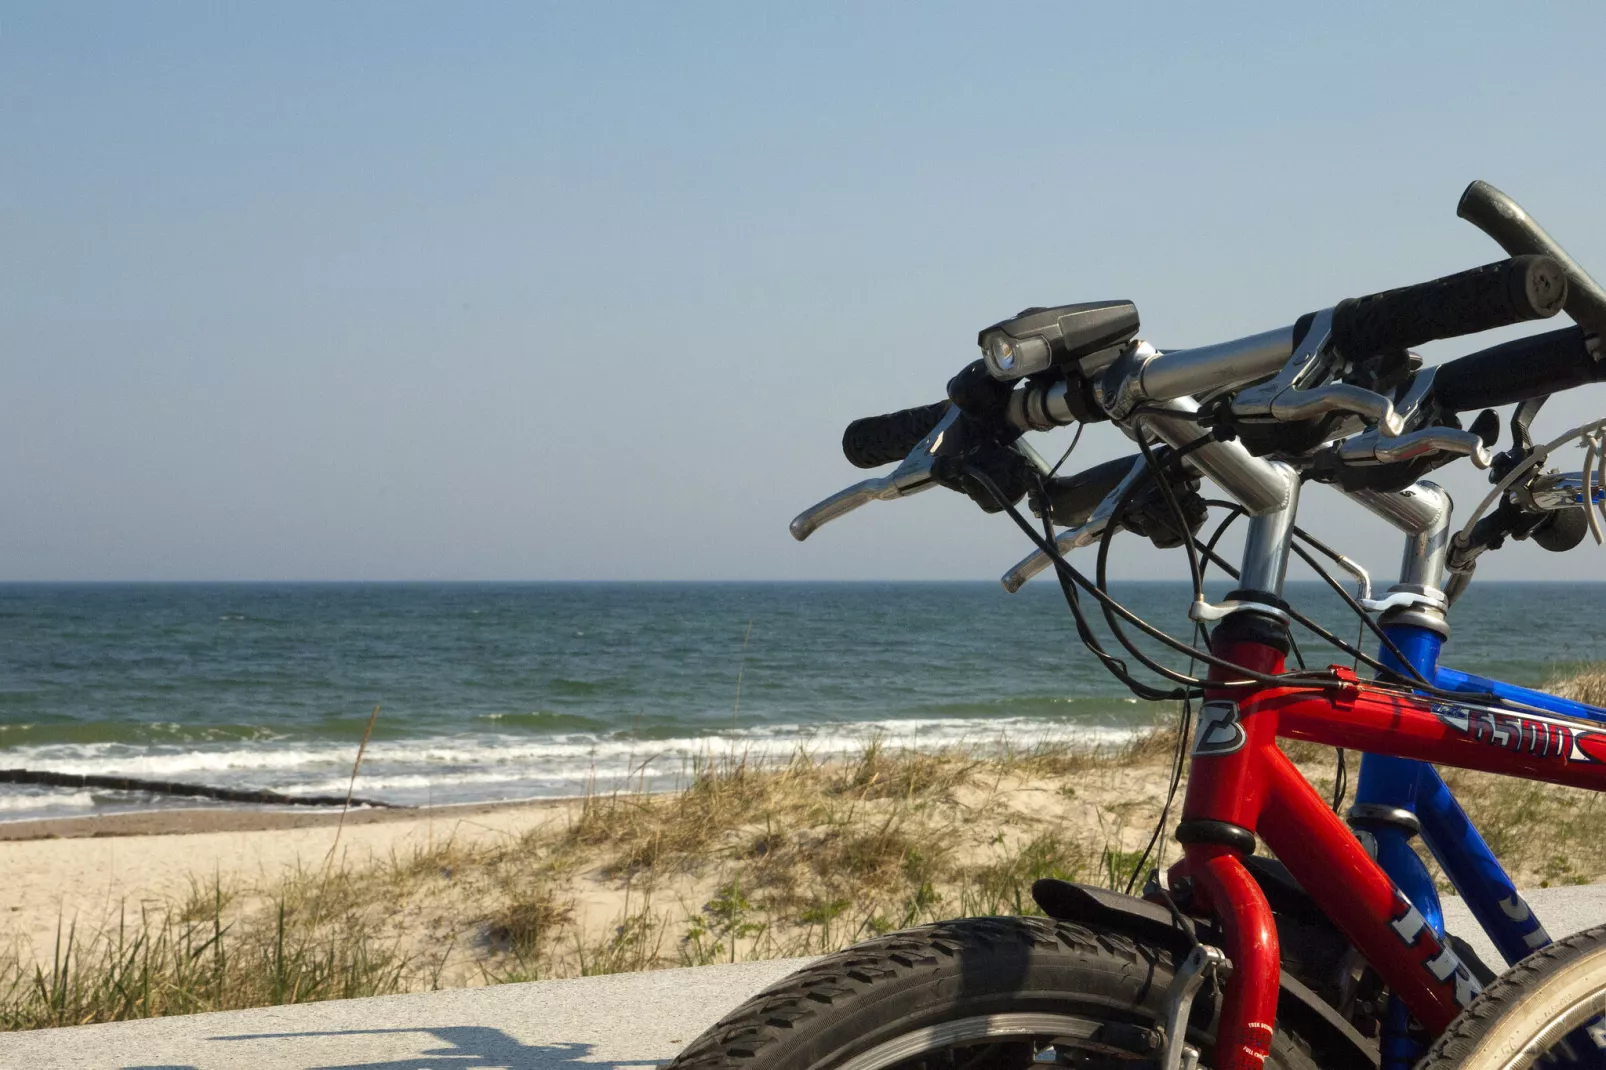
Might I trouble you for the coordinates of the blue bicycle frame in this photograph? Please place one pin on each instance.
(1396, 797)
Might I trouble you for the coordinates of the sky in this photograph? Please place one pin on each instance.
(550, 291)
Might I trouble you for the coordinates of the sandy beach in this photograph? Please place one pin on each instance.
(86, 869)
(597, 861)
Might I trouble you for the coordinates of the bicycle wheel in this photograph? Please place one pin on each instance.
(980, 994)
(1545, 1008)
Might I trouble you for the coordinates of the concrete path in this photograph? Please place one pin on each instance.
(632, 1021)
(1563, 910)
(623, 1022)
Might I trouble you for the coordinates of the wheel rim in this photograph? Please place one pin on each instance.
(1580, 1013)
(969, 1031)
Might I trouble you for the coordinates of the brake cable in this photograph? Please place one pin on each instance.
(1113, 665)
(1100, 575)
(1076, 438)
(1169, 496)
(1068, 574)
(1186, 679)
(1418, 681)
(1184, 725)
(1210, 556)
(1250, 677)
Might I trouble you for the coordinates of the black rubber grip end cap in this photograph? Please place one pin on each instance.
(1543, 286)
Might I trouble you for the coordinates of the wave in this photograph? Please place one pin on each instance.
(579, 688)
(1042, 706)
(543, 721)
(511, 762)
(573, 753)
(117, 760)
(129, 732)
(408, 782)
(337, 733)
(33, 801)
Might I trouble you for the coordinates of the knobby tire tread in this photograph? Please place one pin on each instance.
(1472, 1027)
(757, 1033)
(766, 1019)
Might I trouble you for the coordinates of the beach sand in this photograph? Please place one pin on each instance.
(451, 868)
(65, 869)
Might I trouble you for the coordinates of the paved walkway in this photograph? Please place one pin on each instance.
(623, 1022)
(631, 1021)
(1563, 910)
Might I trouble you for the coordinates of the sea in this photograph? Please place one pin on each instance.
(503, 691)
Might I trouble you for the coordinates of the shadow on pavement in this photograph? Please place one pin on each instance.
(474, 1046)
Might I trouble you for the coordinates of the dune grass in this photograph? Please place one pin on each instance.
(198, 956)
(1587, 685)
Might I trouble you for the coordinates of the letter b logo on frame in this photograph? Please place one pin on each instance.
(1219, 731)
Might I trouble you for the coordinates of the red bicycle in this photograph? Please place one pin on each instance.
(1234, 960)
(1242, 785)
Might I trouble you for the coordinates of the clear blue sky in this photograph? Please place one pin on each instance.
(589, 291)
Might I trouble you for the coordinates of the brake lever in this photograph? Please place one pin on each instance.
(1369, 447)
(912, 476)
(1300, 391)
(1084, 534)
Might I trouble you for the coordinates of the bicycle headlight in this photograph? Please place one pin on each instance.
(1038, 339)
(1013, 358)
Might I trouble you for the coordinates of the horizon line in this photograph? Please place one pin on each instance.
(397, 582)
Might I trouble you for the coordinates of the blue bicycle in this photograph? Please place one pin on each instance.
(1397, 798)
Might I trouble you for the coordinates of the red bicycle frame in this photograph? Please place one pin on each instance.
(1241, 785)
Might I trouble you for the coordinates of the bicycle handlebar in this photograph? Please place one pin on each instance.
(1516, 371)
(1496, 295)
(1508, 291)
(1333, 368)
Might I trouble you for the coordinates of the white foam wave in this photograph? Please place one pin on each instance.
(480, 750)
(77, 800)
(369, 783)
(486, 766)
(125, 760)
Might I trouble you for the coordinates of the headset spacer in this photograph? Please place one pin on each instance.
(1373, 813)
(1208, 830)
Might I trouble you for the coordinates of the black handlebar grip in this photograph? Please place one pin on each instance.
(1516, 371)
(1495, 295)
(873, 441)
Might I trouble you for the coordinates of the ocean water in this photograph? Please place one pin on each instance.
(510, 691)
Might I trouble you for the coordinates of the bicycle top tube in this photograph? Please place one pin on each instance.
(1455, 680)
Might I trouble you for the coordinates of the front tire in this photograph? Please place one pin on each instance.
(1555, 996)
(978, 993)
